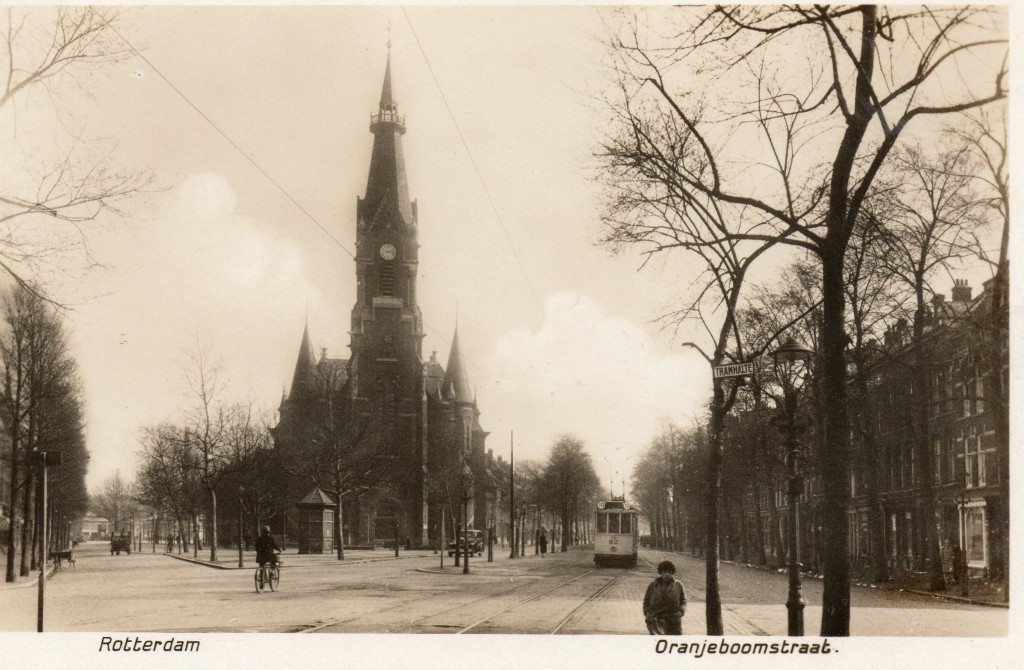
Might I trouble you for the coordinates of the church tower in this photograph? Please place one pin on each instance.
(421, 418)
(387, 325)
(385, 368)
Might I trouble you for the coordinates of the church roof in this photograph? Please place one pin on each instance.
(456, 380)
(434, 374)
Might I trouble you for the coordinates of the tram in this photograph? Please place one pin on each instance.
(616, 539)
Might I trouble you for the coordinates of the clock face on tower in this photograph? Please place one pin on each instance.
(388, 251)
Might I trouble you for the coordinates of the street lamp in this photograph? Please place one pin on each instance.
(792, 365)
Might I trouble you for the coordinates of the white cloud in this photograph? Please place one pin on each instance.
(586, 372)
(197, 271)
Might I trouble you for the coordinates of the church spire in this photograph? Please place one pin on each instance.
(456, 378)
(387, 179)
(302, 380)
(387, 103)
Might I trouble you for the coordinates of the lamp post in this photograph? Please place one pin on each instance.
(46, 458)
(241, 490)
(792, 364)
(467, 479)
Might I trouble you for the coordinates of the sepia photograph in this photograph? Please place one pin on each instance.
(681, 328)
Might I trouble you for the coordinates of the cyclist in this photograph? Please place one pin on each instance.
(266, 549)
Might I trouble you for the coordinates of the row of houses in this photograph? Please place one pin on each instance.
(897, 493)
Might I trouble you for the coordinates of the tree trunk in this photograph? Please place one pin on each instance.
(713, 602)
(28, 519)
(15, 473)
(338, 524)
(213, 523)
(834, 455)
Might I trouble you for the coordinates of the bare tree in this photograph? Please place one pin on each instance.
(169, 475)
(61, 185)
(784, 147)
(570, 474)
(116, 502)
(222, 435)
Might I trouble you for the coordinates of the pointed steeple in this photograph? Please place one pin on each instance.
(302, 380)
(387, 178)
(456, 378)
(387, 103)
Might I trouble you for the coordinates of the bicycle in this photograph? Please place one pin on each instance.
(267, 575)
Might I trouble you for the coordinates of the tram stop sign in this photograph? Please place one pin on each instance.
(733, 370)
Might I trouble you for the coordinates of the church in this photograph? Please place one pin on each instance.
(396, 436)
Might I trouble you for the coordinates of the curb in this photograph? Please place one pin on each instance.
(252, 565)
(33, 580)
(945, 596)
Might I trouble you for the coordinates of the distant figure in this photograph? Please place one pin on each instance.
(665, 602)
(170, 544)
(543, 541)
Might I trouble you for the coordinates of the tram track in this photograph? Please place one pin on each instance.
(525, 601)
(433, 596)
(591, 598)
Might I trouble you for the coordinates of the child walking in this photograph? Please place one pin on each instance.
(665, 602)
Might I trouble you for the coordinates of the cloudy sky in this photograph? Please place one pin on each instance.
(254, 124)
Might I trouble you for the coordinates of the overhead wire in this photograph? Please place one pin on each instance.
(230, 141)
(295, 202)
(472, 160)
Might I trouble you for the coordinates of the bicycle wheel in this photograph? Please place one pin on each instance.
(258, 577)
(274, 577)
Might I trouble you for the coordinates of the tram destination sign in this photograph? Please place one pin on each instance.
(734, 370)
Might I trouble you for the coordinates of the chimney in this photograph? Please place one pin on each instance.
(961, 291)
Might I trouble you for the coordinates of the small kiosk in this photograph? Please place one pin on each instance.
(316, 523)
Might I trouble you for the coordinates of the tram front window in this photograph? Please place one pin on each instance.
(626, 525)
(613, 522)
(602, 523)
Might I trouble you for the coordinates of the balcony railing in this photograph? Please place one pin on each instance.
(387, 117)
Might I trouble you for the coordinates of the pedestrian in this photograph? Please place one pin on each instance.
(543, 541)
(961, 573)
(665, 602)
(946, 555)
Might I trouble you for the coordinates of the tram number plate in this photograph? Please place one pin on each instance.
(612, 541)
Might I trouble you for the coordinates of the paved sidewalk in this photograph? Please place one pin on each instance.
(981, 592)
